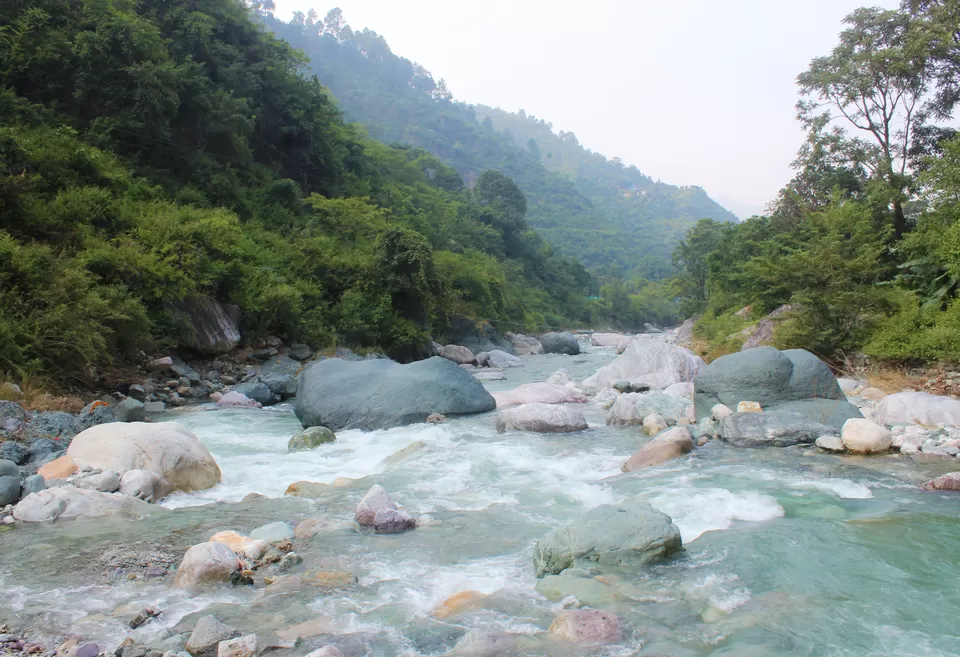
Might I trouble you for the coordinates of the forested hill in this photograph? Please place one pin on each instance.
(613, 218)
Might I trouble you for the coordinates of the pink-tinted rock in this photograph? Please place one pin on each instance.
(949, 481)
(539, 393)
(235, 399)
(376, 499)
(587, 626)
(393, 521)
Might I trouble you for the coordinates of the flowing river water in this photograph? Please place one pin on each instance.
(787, 551)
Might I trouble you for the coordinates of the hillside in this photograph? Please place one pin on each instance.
(154, 153)
(614, 219)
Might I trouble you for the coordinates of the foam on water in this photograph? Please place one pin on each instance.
(708, 509)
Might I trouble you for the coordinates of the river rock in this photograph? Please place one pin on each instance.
(793, 381)
(587, 590)
(33, 484)
(234, 399)
(648, 362)
(378, 394)
(252, 548)
(539, 393)
(654, 424)
(484, 643)
(244, 646)
(206, 563)
(918, 408)
(720, 411)
(71, 503)
(458, 603)
(851, 386)
(207, 634)
(280, 384)
(105, 482)
(748, 407)
(9, 488)
(165, 448)
(830, 444)
(273, 532)
(541, 418)
(59, 468)
(376, 499)
(861, 436)
(949, 481)
(258, 391)
(560, 343)
(457, 354)
(630, 532)
(392, 521)
(683, 390)
(129, 410)
(499, 359)
(588, 626)
(489, 376)
(326, 651)
(773, 429)
(872, 394)
(669, 445)
(145, 485)
(15, 452)
(310, 438)
(606, 398)
(57, 425)
(525, 345)
(632, 408)
(94, 414)
(608, 339)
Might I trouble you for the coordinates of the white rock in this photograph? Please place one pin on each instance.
(498, 358)
(105, 482)
(851, 386)
(326, 651)
(605, 398)
(649, 362)
(251, 548)
(165, 448)
(541, 418)
(861, 436)
(376, 498)
(608, 339)
(71, 503)
(145, 485)
(830, 444)
(872, 394)
(683, 390)
(720, 411)
(918, 408)
(539, 393)
(909, 448)
(560, 378)
(204, 563)
(457, 353)
(654, 424)
(245, 646)
(207, 634)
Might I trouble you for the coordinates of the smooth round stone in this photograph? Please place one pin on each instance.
(273, 532)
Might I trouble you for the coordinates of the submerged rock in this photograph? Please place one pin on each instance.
(378, 394)
(542, 418)
(310, 438)
(560, 343)
(326, 651)
(165, 448)
(630, 532)
(648, 362)
(793, 381)
(273, 532)
(587, 626)
(667, 446)
(949, 481)
(770, 429)
(539, 393)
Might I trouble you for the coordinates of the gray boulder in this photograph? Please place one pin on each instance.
(9, 489)
(8, 469)
(52, 424)
(777, 380)
(298, 351)
(11, 411)
(560, 343)
(770, 429)
(257, 391)
(93, 414)
(499, 359)
(34, 484)
(13, 451)
(280, 384)
(378, 394)
(210, 328)
(310, 438)
(207, 634)
(630, 532)
(130, 410)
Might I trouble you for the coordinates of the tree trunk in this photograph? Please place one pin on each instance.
(899, 219)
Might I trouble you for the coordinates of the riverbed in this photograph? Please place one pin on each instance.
(787, 551)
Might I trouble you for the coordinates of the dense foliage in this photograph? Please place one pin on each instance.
(864, 242)
(617, 221)
(153, 151)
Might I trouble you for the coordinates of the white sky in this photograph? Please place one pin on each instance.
(692, 92)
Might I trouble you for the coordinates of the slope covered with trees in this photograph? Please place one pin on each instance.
(617, 221)
(864, 242)
(153, 151)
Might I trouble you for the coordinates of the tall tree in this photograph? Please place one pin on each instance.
(876, 80)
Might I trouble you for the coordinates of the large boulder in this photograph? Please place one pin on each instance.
(560, 343)
(58, 425)
(498, 358)
(671, 444)
(539, 393)
(72, 503)
(377, 394)
(206, 563)
(861, 436)
(145, 485)
(793, 381)
(630, 408)
(608, 339)
(650, 362)
(457, 353)
(918, 408)
(630, 532)
(773, 429)
(165, 448)
(541, 418)
(210, 327)
(683, 334)
(762, 334)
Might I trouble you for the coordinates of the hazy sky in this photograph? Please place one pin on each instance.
(694, 92)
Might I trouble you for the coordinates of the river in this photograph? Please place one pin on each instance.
(787, 551)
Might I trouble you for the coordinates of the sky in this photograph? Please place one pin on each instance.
(695, 92)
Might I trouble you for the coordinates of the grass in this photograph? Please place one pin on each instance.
(35, 395)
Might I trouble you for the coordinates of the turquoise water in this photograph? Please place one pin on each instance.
(788, 552)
